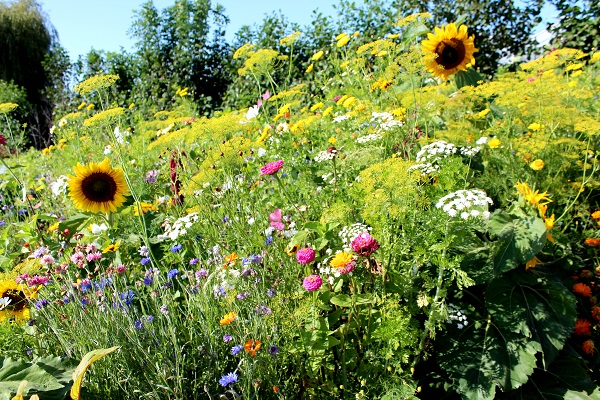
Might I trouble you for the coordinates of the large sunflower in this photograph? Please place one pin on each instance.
(98, 187)
(14, 298)
(453, 50)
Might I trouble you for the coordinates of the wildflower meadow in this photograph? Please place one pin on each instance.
(393, 225)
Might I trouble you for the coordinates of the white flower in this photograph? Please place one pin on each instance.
(261, 152)
(59, 186)
(4, 301)
(98, 229)
(252, 112)
(482, 140)
(107, 149)
(341, 118)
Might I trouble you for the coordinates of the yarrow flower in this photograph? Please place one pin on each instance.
(466, 204)
(312, 283)
(364, 244)
(305, 255)
(272, 168)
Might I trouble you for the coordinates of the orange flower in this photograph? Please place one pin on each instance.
(588, 347)
(592, 242)
(252, 346)
(532, 263)
(596, 215)
(596, 312)
(228, 318)
(582, 327)
(230, 260)
(582, 289)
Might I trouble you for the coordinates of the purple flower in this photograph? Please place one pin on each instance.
(305, 255)
(194, 261)
(138, 325)
(145, 260)
(241, 296)
(364, 244)
(151, 176)
(202, 273)
(41, 303)
(150, 318)
(176, 248)
(228, 379)
(236, 349)
(164, 310)
(271, 292)
(272, 167)
(172, 273)
(268, 240)
(312, 283)
(227, 338)
(148, 280)
(273, 350)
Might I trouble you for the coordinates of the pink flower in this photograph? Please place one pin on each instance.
(37, 280)
(266, 95)
(305, 255)
(47, 259)
(275, 219)
(312, 283)
(272, 167)
(2, 140)
(364, 244)
(349, 267)
(121, 268)
(336, 98)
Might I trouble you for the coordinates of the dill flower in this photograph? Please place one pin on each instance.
(453, 50)
(5, 108)
(228, 318)
(582, 289)
(96, 83)
(98, 187)
(290, 39)
(104, 115)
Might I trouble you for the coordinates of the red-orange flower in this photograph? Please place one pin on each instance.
(582, 327)
(596, 215)
(596, 312)
(252, 346)
(588, 347)
(592, 242)
(582, 289)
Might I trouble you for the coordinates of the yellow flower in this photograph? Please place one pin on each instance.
(494, 143)
(342, 40)
(5, 108)
(81, 105)
(144, 208)
(46, 151)
(534, 127)
(574, 67)
(595, 56)
(532, 197)
(327, 111)
(596, 215)
(317, 55)
(112, 247)
(483, 113)
(95, 83)
(310, 68)
(332, 140)
(340, 260)
(453, 50)
(182, 92)
(228, 318)
(549, 222)
(537, 165)
(317, 106)
(131, 106)
(98, 187)
(14, 298)
(53, 227)
(90, 107)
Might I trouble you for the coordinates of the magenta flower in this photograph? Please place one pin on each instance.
(305, 255)
(364, 244)
(272, 167)
(2, 141)
(312, 283)
(275, 219)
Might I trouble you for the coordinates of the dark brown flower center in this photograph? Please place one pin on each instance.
(17, 298)
(451, 53)
(99, 187)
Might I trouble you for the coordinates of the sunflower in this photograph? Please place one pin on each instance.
(14, 298)
(98, 187)
(453, 50)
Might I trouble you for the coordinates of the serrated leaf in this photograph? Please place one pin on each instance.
(520, 239)
(86, 361)
(481, 358)
(536, 307)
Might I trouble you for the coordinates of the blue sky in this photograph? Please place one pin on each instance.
(104, 24)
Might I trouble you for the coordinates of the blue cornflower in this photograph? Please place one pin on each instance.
(236, 349)
(138, 325)
(150, 318)
(2, 223)
(148, 280)
(41, 303)
(194, 261)
(84, 302)
(176, 248)
(172, 273)
(227, 338)
(228, 379)
(127, 296)
(38, 253)
(145, 260)
(268, 240)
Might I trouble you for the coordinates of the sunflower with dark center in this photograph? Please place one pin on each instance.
(452, 48)
(98, 187)
(15, 298)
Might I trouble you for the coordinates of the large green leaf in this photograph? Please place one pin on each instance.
(50, 376)
(482, 357)
(541, 309)
(469, 77)
(520, 239)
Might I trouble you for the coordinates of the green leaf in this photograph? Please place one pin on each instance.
(536, 307)
(481, 358)
(520, 239)
(469, 77)
(341, 300)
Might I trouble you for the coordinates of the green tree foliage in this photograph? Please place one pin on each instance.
(25, 40)
(579, 25)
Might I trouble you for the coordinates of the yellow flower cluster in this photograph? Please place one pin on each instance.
(103, 116)
(95, 83)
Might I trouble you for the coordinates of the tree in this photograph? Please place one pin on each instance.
(578, 26)
(26, 38)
